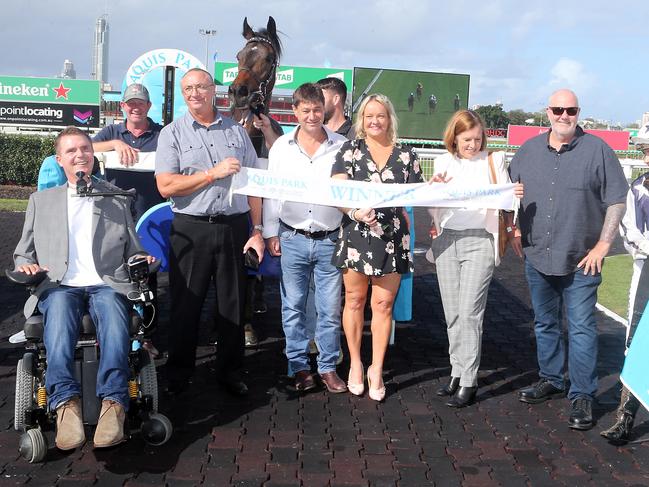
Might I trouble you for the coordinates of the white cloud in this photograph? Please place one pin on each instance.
(569, 72)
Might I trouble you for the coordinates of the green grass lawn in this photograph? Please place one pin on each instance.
(13, 205)
(616, 280)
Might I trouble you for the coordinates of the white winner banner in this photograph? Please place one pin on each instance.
(355, 194)
(145, 161)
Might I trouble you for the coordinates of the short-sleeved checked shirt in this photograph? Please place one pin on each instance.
(187, 147)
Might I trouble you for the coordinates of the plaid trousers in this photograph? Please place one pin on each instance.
(465, 263)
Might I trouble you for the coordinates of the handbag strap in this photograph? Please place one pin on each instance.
(492, 171)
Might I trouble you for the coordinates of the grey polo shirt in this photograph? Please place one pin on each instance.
(566, 197)
(187, 147)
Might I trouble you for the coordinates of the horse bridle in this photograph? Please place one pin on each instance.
(262, 85)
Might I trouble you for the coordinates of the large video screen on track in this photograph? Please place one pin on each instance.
(424, 101)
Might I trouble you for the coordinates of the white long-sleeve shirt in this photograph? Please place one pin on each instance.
(474, 171)
(286, 156)
(634, 226)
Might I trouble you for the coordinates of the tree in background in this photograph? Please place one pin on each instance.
(493, 115)
(520, 117)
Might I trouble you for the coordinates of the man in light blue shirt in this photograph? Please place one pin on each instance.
(196, 158)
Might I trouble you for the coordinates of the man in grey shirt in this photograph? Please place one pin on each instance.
(196, 158)
(575, 194)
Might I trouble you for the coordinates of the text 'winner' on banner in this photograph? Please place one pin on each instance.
(356, 194)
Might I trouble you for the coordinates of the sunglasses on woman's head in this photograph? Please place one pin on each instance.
(558, 111)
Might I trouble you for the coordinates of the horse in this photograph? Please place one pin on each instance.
(250, 93)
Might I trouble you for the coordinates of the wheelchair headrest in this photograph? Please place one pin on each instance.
(24, 279)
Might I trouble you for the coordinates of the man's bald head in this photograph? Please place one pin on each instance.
(563, 98)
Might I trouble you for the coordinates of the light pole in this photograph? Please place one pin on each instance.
(541, 113)
(207, 33)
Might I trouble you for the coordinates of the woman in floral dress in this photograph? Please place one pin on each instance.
(374, 245)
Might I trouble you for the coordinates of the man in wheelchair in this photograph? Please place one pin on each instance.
(83, 245)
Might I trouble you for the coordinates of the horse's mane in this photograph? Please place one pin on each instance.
(274, 40)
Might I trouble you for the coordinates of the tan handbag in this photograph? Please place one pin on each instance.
(503, 236)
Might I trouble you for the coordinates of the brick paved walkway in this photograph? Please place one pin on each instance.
(276, 438)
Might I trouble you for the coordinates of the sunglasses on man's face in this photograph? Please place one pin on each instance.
(558, 111)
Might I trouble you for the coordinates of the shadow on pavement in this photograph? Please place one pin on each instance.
(275, 437)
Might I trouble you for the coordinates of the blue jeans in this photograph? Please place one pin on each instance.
(300, 257)
(310, 318)
(578, 292)
(63, 308)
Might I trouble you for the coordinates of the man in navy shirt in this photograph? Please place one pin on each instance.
(575, 193)
(137, 134)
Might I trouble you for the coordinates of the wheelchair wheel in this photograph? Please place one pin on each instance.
(33, 445)
(24, 394)
(149, 379)
(157, 429)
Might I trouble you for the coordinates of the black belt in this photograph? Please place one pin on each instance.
(319, 235)
(211, 218)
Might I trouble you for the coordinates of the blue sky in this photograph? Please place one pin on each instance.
(516, 52)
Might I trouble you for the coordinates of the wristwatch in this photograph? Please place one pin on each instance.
(509, 229)
(259, 227)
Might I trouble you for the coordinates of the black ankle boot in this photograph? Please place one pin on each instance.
(465, 396)
(450, 388)
(618, 433)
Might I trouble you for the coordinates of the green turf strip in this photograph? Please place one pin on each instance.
(13, 205)
(616, 280)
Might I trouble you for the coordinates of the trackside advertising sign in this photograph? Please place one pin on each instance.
(49, 101)
(286, 77)
(616, 139)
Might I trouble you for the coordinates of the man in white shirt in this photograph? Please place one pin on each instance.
(83, 243)
(304, 235)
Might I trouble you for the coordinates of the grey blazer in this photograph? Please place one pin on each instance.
(44, 239)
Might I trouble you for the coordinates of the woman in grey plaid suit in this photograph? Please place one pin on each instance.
(465, 249)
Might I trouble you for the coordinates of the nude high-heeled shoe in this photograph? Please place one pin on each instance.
(377, 394)
(356, 389)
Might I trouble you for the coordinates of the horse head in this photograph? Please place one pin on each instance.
(258, 62)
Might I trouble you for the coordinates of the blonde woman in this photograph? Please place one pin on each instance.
(465, 248)
(374, 245)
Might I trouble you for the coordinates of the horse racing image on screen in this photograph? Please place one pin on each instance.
(424, 101)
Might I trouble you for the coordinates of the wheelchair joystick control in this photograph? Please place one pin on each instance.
(138, 271)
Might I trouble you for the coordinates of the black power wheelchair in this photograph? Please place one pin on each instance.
(32, 415)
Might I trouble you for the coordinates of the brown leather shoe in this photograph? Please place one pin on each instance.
(304, 381)
(110, 427)
(332, 382)
(69, 427)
